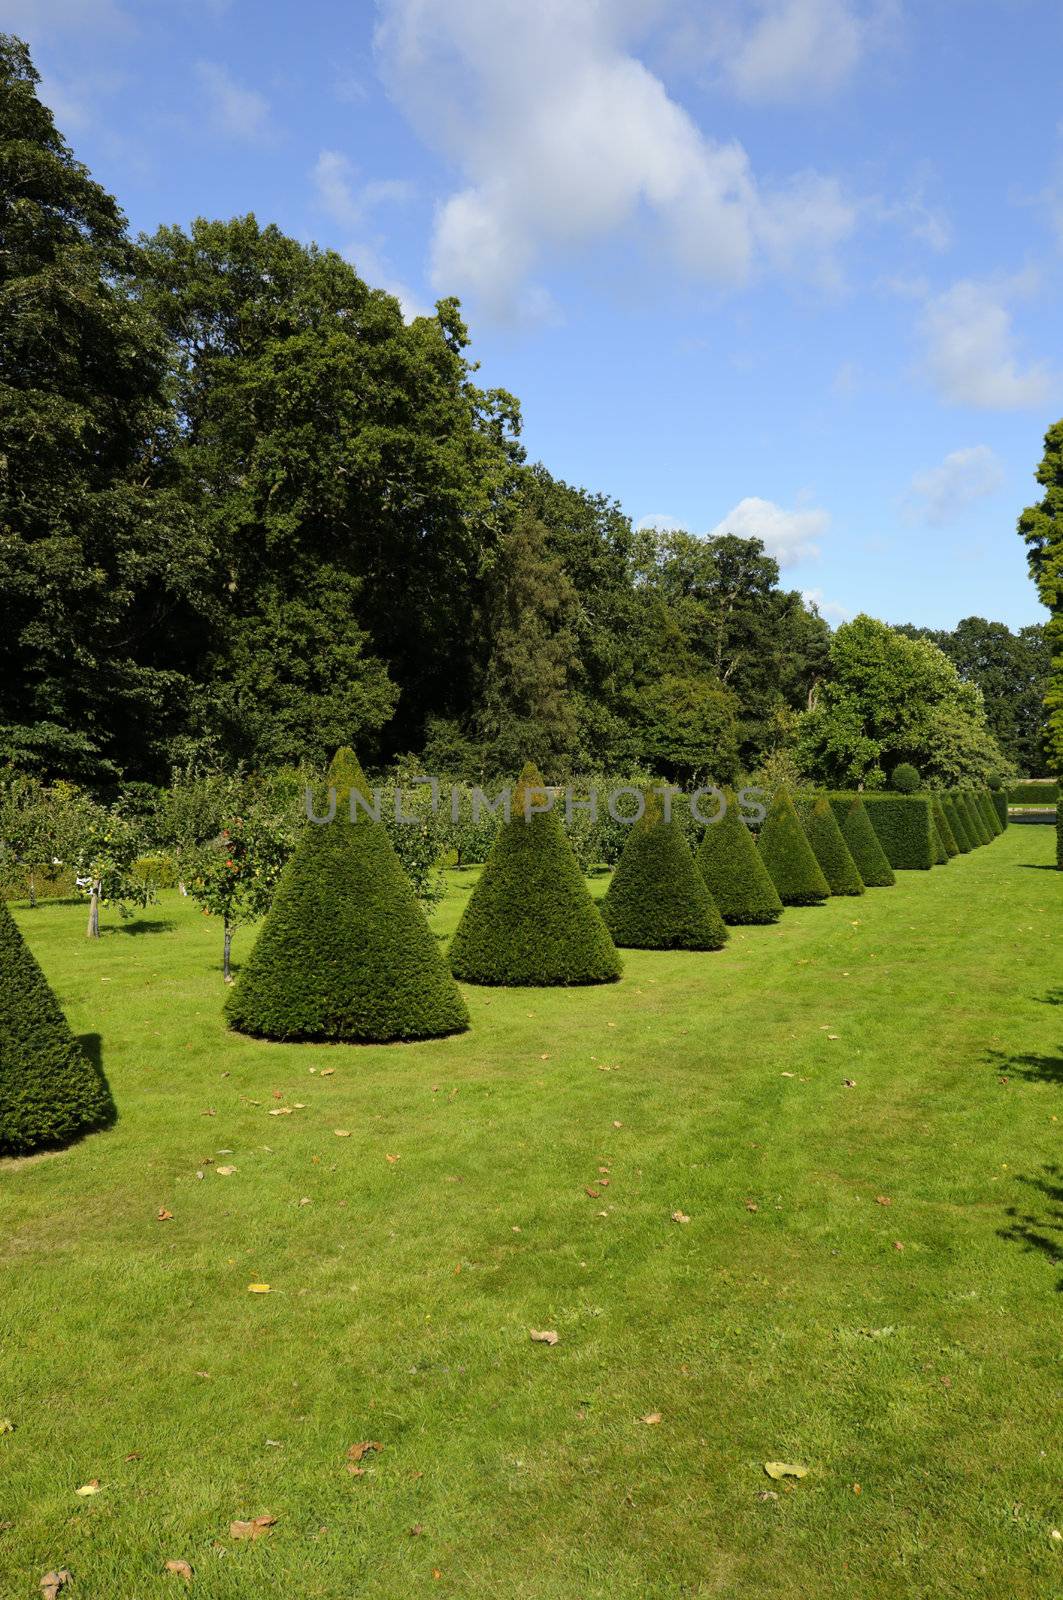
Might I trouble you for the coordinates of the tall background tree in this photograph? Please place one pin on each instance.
(104, 578)
(1041, 526)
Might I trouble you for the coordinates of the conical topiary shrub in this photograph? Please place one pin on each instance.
(730, 863)
(831, 851)
(872, 863)
(345, 952)
(945, 833)
(975, 826)
(987, 811)
(50, 1092)
(789, 857)
(531, 920)
(941, 855)
(658, 899)
(956, 822)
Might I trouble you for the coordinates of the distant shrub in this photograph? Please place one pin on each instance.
(905, 779)
(789, 857)
(944, 828)
(904, 824)
(733, 868)
(957, 822)
(831, 850)
(976, 826)
(988, 812)
(864, 847)
(1000, 805)
(161, 871)
(1029, 793)
(658, 900)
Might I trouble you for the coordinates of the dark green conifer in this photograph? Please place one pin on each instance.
(345, 952)
(831, 851)
(872, 863)
(50, 1092)
(954, 817)
(531, 920)
(731, 864)
(658, 899)
(945, 833)
(789, 857)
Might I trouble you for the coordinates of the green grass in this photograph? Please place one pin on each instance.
(402, 1296)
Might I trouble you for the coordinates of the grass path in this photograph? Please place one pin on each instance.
(401, 1296)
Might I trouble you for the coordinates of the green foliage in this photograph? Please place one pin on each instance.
(530, 920)
(831, 851)
(937, 843)
(160, 871)
(658, 900)
(1000, 806)
(988, 812)
(944, 828)
(734, 870)
(862, 840)
(976, 828)
(1042, 528)
(102, 571)
(890, 699)
(904, 824)
(957, 823)
(1032, 794)
(345, 952)
(788, 856)
(50, 1092)
(905, 779)
(234, 876)
(105, 847)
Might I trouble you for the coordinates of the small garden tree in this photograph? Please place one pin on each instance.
(905, 779)
(235, 875)
(105, 850)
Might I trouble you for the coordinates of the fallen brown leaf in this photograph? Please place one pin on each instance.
(342, 1133)
(548, 1336)
(751, 1205)
(92, 1487)
(850, 1083)
(52, 1582)
(181, 1569)
(651, 1417)
(253, 1529)
(680, 1216)
(225, 1172)
(592, 1192)
(326, 1072)
(415, 1530)
(392, 1159)
(134, 1455)
(883, 1200)
(357, 1451)
(162, 1215)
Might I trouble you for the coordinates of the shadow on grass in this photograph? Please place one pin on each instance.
(1036, 1068)
(140, 925)
(1041, 1227)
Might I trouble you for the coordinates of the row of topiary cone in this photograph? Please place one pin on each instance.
(346, 953)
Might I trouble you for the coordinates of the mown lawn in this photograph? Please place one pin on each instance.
(910, 1348)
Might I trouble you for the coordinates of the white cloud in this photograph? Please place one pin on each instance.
(563, 137)
(793, 50)
(830, 609)
(789, 536)
(349, 203)
(941, 494)
(972, 357)
(236, 111)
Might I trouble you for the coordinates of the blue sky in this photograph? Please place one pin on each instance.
(789, 267)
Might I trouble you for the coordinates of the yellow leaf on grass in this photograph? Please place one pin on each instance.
(651, 1417)
(680, 1216)
(253, 1529)
(92, 1487)
(342, 1133)
(784, 1469)
(225, 1172)
(258, 1288)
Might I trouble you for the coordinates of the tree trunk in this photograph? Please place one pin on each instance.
(226, 973)
(93, 930)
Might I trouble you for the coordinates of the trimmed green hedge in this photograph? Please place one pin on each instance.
(904, 824)
(941, 855)
(1000, 806)
(345, 952)
(988, 812)
(944, 828)
(831, 851)
(957, 822)
(864, 847)
(658, 900)
(1033, 794)
(531, 920)
(789, 857)
(731, 864)
(50, 1092)
(975, 821)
